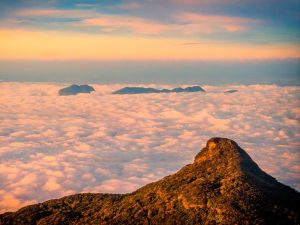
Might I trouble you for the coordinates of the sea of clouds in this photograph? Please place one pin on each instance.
(53, 145)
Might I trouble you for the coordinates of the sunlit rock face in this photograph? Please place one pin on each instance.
(223, 186)
(76, 89)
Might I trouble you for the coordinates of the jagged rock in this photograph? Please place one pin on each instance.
(142, 90)
(76, 89)
(222, 186)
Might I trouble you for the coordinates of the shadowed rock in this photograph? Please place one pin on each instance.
(222, 186)
(142, 90)
(76, 89)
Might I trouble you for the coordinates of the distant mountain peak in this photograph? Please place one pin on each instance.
(143, 90)
(75, 89)
(223, 186)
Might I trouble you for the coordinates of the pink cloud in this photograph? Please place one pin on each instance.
(10, 202)
(119, 143)
(109, 23)
(131, 5)
(52, 185)
(185, 23)
(211, 23)
(119, 23)
(201, 18)
(28, 179)
(194, 2)
(48, 12)
(116, 185)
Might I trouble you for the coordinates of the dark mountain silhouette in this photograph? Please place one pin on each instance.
(222, 186)
(142, 90)
(76, 89)
(231, 91)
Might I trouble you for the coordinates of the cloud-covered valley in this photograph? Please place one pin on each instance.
(53, 146)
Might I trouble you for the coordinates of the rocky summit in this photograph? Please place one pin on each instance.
(222, 186)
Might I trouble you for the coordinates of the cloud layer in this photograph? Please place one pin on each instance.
(53, 146)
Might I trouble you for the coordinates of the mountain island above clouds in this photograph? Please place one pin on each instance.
(75, 89)
(142, 90)
(222, 186)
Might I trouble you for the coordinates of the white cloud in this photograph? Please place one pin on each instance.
(52, 146)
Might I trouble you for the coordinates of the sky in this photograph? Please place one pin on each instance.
(149, 29)
(119, 143)
(151, 41)
(52, 146)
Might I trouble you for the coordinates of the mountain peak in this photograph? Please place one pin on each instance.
(217, 147)
(226, 152)
(225, 158)
(223, 186)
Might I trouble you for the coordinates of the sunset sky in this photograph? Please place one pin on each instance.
(150, 41)
(149, 29)
(52, 145)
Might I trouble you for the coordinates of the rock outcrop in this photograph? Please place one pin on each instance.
(222, 186)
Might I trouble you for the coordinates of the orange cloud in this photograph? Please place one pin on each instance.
(70, 13)
(118, 23)
(49, 45)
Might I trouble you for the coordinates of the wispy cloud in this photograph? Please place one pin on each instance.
(129, 6)
(109, 23)
(85, 5)
(185, 23)
(214, 23)
(126, 23)
(60, 13)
